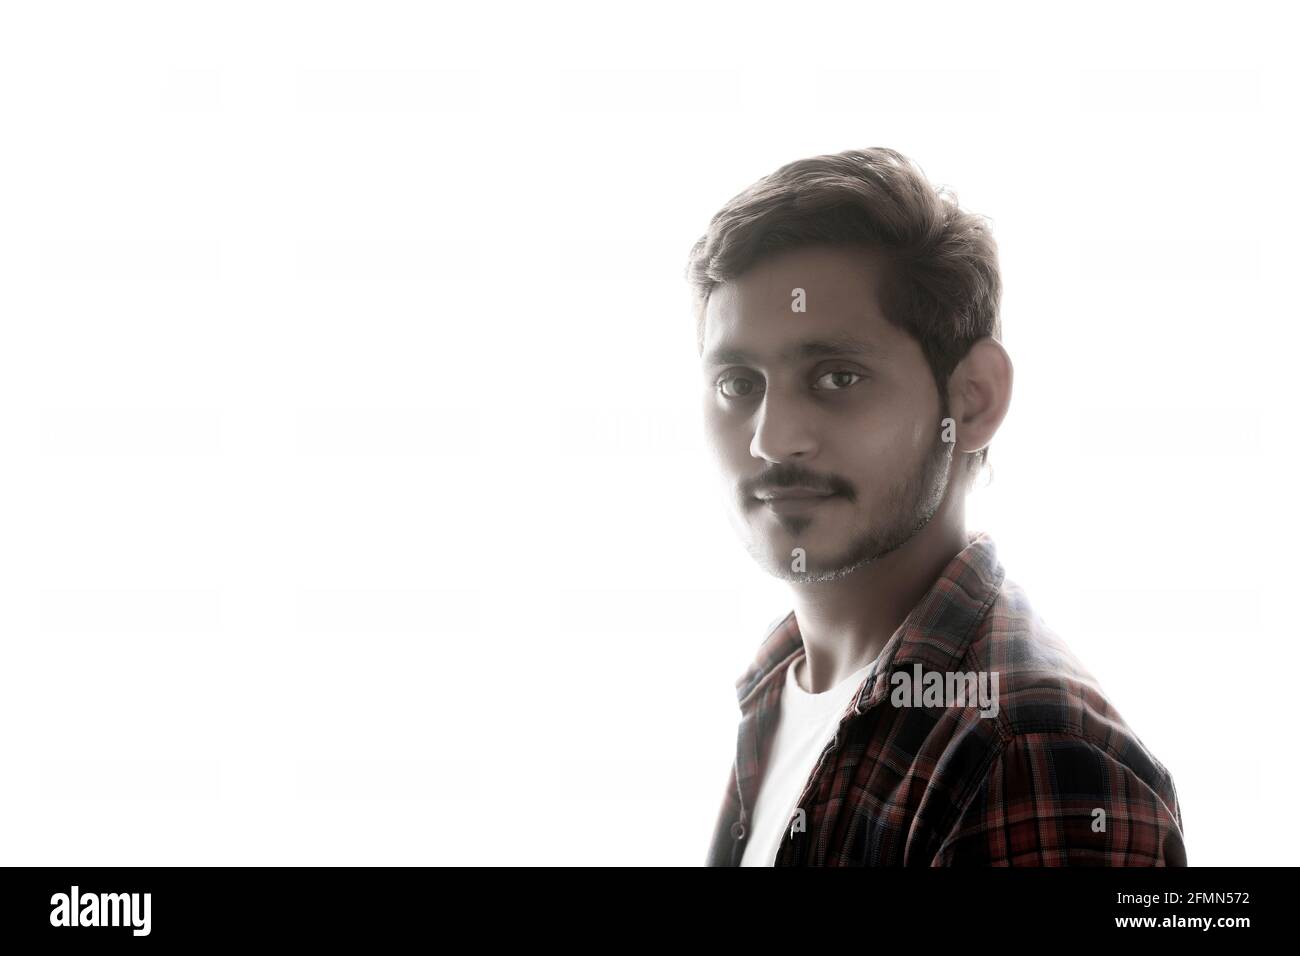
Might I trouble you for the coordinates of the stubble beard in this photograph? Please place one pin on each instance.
(910, 505)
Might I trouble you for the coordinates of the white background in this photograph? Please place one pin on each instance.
(355, 504)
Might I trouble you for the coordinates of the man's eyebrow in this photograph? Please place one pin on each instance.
(844, 344)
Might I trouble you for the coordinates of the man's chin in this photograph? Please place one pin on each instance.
(813, 575)
(802, 563)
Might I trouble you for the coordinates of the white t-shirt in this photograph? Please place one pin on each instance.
(806, 724)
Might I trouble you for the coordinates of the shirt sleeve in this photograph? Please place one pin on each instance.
(1056, 799)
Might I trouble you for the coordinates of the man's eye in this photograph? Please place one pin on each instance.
(737, 386)
(836, 380)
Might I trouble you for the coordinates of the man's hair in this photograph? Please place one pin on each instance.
(941, 282)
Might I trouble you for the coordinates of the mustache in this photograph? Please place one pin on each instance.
(793, 476)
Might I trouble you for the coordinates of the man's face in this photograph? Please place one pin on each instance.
(826, 422)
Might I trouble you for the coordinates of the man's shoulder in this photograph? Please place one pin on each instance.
(1024, 649)
(1046, 696)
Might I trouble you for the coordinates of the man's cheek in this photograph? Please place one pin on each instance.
(723, 445)
(735, 455)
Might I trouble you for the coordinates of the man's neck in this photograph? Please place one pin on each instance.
(846, 623)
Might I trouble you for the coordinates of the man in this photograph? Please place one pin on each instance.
(911, 709)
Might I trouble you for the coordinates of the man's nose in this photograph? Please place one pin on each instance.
(783, 431)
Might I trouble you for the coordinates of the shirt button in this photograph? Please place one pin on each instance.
(738, 831)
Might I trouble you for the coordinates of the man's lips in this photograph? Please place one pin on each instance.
(779, 493)
(782, 500)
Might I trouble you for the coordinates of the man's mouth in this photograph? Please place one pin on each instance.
(783, 500)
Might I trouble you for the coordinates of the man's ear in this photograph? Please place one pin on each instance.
(979, 394)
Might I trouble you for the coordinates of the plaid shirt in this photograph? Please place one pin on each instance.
(1053, 778)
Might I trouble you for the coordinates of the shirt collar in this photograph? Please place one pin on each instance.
(935, 633)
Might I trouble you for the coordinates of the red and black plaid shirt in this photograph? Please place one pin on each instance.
(1054, 778)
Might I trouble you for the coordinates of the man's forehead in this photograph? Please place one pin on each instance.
(738, 333)
(815, 292)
